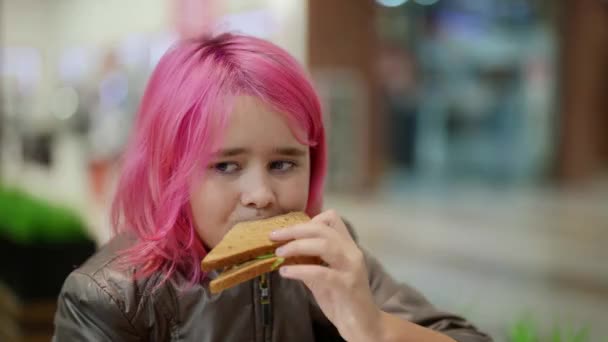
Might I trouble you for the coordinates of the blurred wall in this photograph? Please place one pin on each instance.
(62, 22)
(85, 21)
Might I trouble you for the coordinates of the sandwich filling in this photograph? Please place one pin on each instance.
(274, 266)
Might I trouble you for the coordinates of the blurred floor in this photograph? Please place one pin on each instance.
(495, 255)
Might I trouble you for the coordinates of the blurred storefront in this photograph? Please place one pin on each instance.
(470, 89)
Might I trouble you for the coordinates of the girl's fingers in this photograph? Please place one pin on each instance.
(311, 275)
(300, 231)
(333, 220)
(329, 251)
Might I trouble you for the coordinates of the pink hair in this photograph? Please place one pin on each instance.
(182, 114)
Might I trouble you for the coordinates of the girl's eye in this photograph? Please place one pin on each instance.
(226, 167)
(282, 165)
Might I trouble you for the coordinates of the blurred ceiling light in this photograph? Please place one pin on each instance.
(133, 50)
(426, 2)
(64, 103)
(391, 3)
(113, 90)
(159, 44)
(24, 64)
(259, 23)
(74, 63)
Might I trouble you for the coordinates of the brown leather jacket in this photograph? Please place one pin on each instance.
(100, 303)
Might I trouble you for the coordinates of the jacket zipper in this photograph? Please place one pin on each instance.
(264, 285)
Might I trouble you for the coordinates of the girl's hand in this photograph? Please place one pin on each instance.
(342, 288)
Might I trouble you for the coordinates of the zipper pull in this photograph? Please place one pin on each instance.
(265, 299)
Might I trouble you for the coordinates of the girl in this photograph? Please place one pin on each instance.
(230, 129)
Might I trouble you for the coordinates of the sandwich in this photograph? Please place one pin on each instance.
(247, 252)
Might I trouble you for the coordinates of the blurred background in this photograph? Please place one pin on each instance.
(468, 143)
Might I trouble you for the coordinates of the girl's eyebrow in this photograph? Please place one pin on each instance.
(283, 151)
(289, 151)
(231, 152)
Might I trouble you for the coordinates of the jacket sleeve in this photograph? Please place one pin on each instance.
(86, 312)
(407, 303)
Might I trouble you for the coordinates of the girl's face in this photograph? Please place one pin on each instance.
(259, 170)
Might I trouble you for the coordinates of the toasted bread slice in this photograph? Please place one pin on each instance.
(248, 240)
(252, 269)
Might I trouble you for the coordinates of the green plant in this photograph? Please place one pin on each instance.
(526, 330)
(27, 219)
